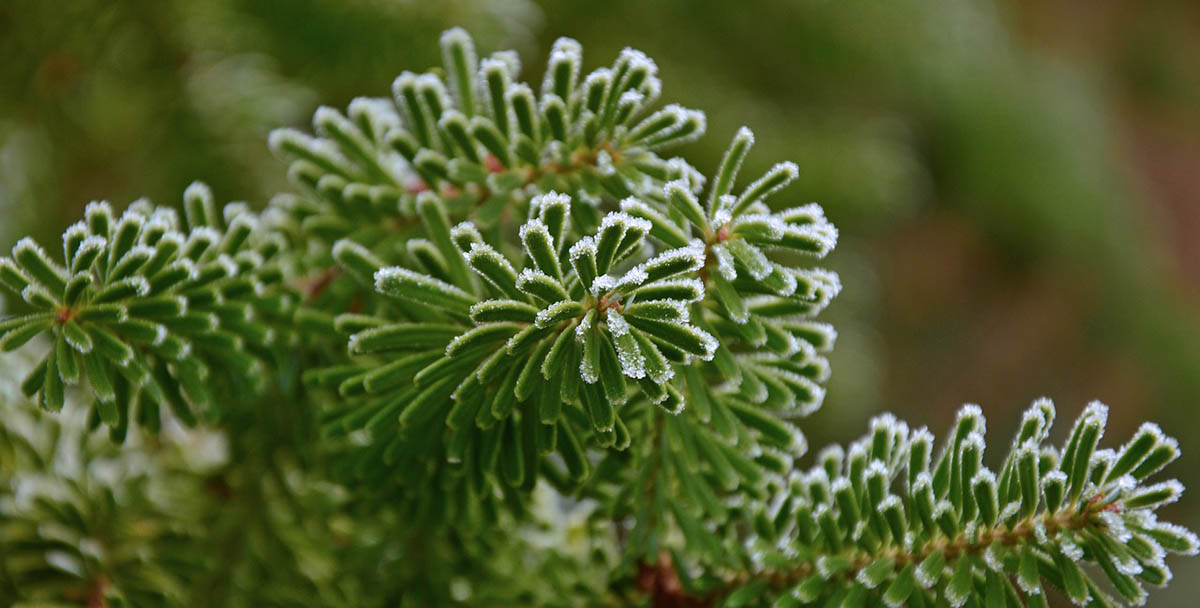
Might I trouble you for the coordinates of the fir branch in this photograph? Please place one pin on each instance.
(501, 287)
(147, 308)
(884, 521)
(367, 166)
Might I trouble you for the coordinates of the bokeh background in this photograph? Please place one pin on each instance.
(1017, 183)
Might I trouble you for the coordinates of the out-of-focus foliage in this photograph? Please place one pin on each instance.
(204, 518)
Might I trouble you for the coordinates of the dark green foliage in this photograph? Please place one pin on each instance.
(540, 364)
(885, 519)
(150, 310)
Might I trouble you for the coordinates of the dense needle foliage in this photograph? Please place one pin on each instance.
(498, 348)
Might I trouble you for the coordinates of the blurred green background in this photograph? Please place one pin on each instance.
(1017, 183)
